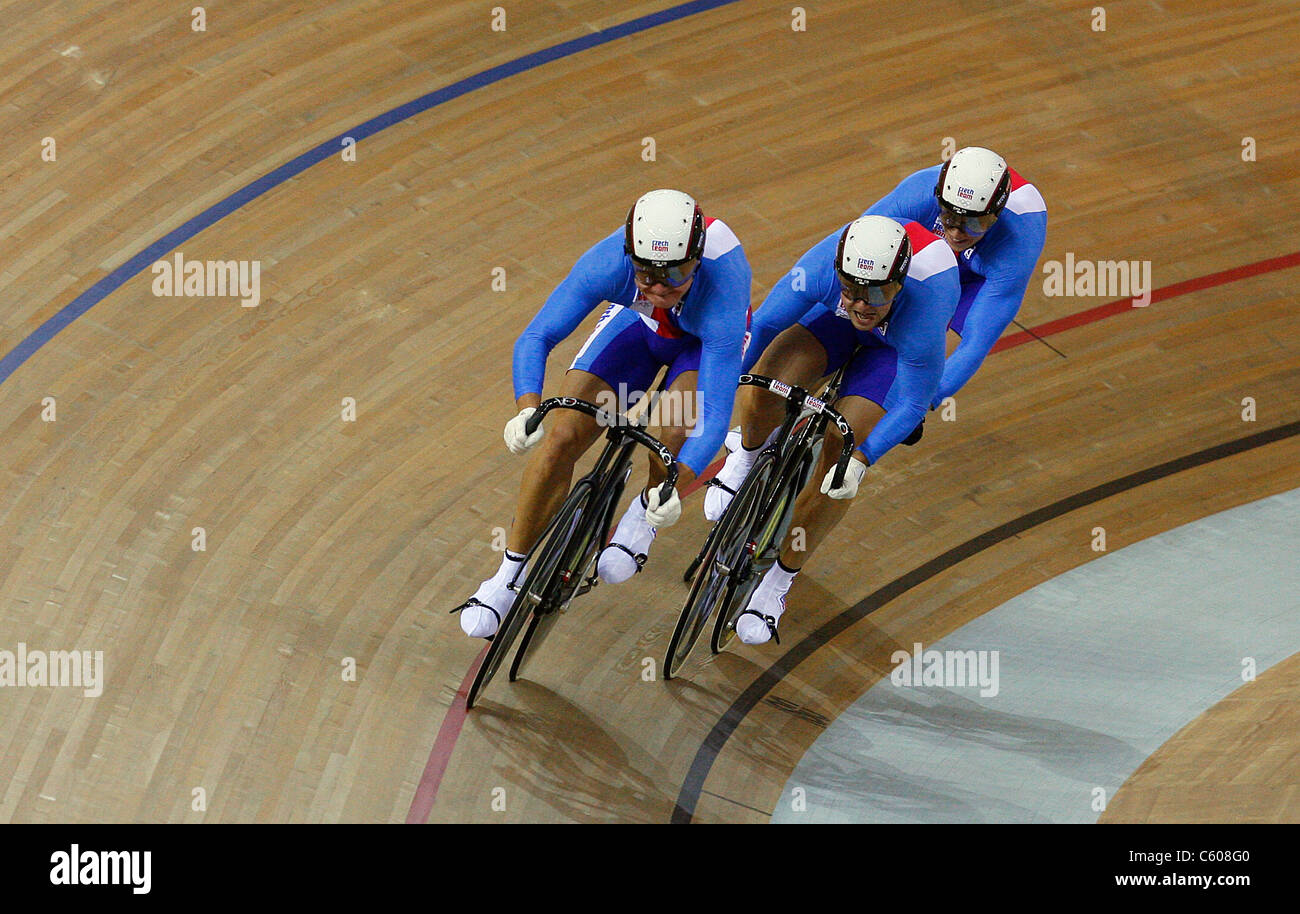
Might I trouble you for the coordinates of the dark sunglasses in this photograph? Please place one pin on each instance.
(675, 275)
(970, 225)
(872, 294)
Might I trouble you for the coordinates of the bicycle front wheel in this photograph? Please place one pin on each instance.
(589, 523)
(539, 581)
(715, 571)
(766, 518)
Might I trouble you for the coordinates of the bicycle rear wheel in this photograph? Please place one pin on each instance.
(716, 566)
(543, 561)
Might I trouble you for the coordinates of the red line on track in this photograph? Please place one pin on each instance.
(1110, 309)
(455, 719)
(443, 746)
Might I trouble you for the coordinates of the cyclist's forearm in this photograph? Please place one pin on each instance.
(526, 400)
(890, 431)
(658, 473)
(989, 316)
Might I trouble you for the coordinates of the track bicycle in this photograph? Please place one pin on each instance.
(745, 542)
(562, 563)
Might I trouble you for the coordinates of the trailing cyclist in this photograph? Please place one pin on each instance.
(996, 223)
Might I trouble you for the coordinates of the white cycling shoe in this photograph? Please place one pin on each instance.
(628, 548)
(481, 614)
(722, 487)
(757, 623)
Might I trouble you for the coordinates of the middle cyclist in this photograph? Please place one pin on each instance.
(887, 286)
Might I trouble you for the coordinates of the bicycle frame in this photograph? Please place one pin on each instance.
(607, 478)
(798, 447)
(746, 540)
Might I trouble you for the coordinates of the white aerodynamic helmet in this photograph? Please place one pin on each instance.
(974, 182)
(664, 228)
(873, 251)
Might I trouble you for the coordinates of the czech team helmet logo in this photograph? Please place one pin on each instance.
(659, 247)
(965, 193)
(866, 265)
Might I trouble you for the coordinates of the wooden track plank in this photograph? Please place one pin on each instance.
(329, 540)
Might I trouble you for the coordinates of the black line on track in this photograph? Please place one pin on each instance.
(1039, 338)
(761, 812)
(693, 784)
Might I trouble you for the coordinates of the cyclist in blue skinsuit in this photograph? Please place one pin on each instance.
(678, 289)
(888, 286)
(996, 223)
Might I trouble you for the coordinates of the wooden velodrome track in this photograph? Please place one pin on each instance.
(328, 540)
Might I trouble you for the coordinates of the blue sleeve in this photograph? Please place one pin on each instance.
(721, 339)
(593, 279)
(806, 285)
(996, 302)
(919, 335)
(912, 200)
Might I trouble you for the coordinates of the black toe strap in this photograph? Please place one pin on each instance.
(475, 601)
(638, 557)
(770, 620)
(723, 486)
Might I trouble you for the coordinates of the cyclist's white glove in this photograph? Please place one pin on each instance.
(852, 476)
(665, 515)
(516, 439)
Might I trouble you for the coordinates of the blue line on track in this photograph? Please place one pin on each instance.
(174, 239)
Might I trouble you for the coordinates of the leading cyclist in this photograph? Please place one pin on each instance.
(678, 287)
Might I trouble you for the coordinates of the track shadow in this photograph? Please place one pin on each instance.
(1085, 757)
(555, 752)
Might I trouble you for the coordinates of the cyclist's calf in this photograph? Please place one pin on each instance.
(549, 474)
